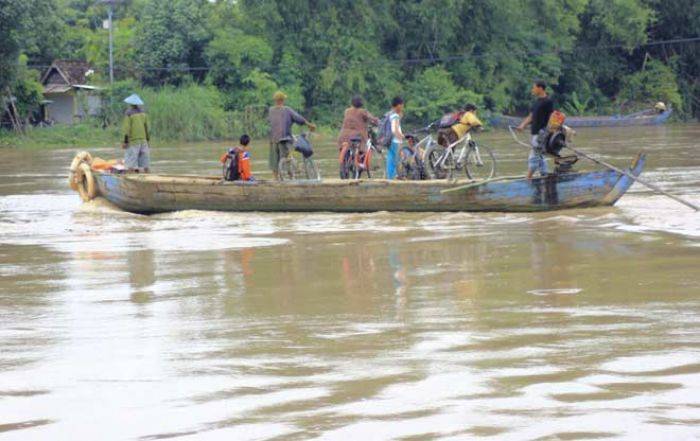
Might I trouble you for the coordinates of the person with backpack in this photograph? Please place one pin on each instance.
(454, 126)
(281, 120)
(355, 124)
(391, 123)
(237, 162)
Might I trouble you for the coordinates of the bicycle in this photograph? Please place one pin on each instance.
(289, 168)
(441, 162)
(354, 162)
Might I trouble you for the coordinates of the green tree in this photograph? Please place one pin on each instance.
(679, 19)
(25, 27)
(27, 89)
(599, 61)
(171, 39)
(656, 82)
(238, 63)
(433, 93)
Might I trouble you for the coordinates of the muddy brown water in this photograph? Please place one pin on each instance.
(581, 324)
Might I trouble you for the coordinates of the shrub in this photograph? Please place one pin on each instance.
(656, 82)
(187, 113)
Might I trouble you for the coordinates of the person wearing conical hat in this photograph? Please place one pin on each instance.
(281, 120)
(137, 156)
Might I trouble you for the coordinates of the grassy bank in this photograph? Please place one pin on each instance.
(60, 136)
(85, 136)
(183, 114)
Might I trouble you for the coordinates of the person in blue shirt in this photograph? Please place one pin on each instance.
(397, 137)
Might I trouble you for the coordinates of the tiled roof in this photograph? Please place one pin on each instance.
(72, 71)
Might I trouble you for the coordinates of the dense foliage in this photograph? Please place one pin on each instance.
(599, 55)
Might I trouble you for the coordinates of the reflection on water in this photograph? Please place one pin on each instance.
(573, 325)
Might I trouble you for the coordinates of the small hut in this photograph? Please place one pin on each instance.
(68, 97)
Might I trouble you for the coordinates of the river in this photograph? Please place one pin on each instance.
(581, 324)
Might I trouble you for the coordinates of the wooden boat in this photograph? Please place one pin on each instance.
(149, 193)
(634, 119)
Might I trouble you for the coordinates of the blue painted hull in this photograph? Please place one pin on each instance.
(503, 121)
(155, 194)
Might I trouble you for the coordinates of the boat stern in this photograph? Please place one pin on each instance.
(625, 182)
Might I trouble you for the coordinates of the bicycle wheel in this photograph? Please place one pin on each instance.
(421, 172)
(347, 167)
(311, 170)
(287, 169)
(433, 156)
(480, 163)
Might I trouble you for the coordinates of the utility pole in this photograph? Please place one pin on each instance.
(110, 26)
(111, 44)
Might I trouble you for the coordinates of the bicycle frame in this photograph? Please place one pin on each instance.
(467, 144)
(365, 163)
(449, 150)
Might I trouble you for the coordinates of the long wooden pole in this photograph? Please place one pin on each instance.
(480, 183)
(626, 173)
(14, 114)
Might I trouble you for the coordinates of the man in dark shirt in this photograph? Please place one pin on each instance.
(538, 118)
(281, 120)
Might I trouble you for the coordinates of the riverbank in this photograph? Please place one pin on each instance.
(57, 137)
(88, 136)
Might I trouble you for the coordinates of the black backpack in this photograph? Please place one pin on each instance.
(384, 134)
(231, 172)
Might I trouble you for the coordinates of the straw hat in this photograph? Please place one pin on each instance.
(279, 96)
(660, 106)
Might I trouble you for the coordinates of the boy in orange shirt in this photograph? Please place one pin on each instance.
(240, 157)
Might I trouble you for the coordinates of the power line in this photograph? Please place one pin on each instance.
(422, 60)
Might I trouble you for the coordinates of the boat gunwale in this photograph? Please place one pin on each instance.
(171, 179)
(128, 191)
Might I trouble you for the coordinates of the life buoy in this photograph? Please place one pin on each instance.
(85, 182)
(80, 158)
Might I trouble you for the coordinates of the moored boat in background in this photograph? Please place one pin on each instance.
(645, 118)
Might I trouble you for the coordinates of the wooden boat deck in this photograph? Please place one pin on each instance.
(162, 193)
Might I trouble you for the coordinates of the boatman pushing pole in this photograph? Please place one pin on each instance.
(541, 109)
(137, 156)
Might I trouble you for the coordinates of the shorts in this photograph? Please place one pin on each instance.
(137, 156)
(535, 160)
(278, 150)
